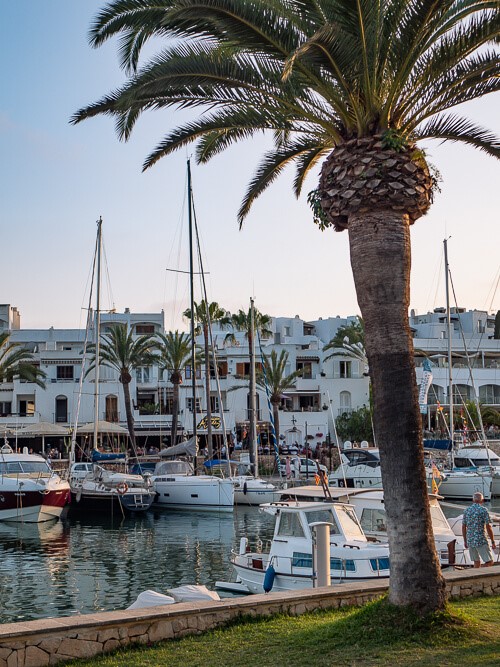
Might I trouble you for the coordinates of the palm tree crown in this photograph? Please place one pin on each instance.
(122, 351)
(316, 73)
(18, 362)
(175, 355)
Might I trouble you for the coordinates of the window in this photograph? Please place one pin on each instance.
(345, 400)
(214, 403)
(188, 373)
(490, 394)
(189, 404)
(378, 564)
(111, 408)
(345, 369)
(290, 525)
(243, 369)
(144, 329)
(61, 409)
(65, 372)
(323, 515)
(143, 375)
(306, 368)
(5, 408)
(373, 520)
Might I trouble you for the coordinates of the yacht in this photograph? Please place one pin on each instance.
(477, 457)
(360, 469)
(176, 486)
(30, 491)
(352, 556)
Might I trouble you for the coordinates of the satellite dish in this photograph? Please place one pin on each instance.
(347, 444)
(364, 444)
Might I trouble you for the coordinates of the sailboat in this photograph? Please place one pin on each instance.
(175, 482)
(457, 483)
(94, 487)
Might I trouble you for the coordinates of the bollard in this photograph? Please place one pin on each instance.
(321, 553)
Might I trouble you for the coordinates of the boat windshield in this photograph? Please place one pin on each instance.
(439, 521)
(350, 524)
(173, 468)
(19, 467)
(324, 514)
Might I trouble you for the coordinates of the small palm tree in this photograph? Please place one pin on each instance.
(175, 354)
(18, 362)
(120, 350)
(205, 315)
(242, 321)
(273, 378)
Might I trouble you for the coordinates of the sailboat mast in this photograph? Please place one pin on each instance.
(253, 391)
(97, 331)
(191, 289)
(450, 364)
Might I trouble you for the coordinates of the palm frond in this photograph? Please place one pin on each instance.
(455, 128)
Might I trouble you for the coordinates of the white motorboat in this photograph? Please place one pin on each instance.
(30, 491)
(352, 556)
(178, 487)
(249, 490)
(103, 489)
(463, 484)
(478, 458)
(370, 510)
(359, 469)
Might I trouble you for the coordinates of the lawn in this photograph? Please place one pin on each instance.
(467, 634)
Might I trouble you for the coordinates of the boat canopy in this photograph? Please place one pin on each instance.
(173, 468)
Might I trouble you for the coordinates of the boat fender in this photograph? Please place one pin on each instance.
(269, 579)
(122, 488)
(245, 489)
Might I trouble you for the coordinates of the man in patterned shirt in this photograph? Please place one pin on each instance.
(475, 524)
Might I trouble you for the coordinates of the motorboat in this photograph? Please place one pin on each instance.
(176, 486)
(370, 510)
(248, 489)
(352, 556)
(360, 469)
(99, 488)
(30, 491)
(478, 458)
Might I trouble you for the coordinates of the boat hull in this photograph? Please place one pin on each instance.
(110, 501)
(463, 485)
(194, 492)
(33, 506)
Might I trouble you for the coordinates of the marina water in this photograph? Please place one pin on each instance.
(79, 566)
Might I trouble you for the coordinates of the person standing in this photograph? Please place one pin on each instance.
(475, 524)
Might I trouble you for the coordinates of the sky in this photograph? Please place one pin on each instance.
(57, 179)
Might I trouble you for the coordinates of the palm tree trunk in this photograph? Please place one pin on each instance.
(276, 418)
(207, 392)
(175, 413)
(381, 260)
(128, 412)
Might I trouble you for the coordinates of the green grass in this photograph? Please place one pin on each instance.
(467, 634)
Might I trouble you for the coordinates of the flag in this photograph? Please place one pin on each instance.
(435, 488)
(436, 474)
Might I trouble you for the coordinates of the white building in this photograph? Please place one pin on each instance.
(325, 390)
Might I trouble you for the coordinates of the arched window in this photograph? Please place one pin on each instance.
(111, 408)
(61, 409)
(489, 394)
(461, 393)
(345, 400)
(436, 394)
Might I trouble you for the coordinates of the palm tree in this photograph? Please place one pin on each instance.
(204, 316)
(120, 350)
(242, 321)
(175, 355)
(355, 84)
(18, 362)
(273, 379)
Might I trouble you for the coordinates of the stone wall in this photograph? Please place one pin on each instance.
(53, 640)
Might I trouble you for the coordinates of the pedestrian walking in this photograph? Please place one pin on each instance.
(476, 526)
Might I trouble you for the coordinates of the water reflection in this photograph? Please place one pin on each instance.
(84, 565)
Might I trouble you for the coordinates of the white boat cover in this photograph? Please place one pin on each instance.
(192, 593)
(151, 599)
(187, 448)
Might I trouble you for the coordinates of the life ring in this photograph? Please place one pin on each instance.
(122, 488)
